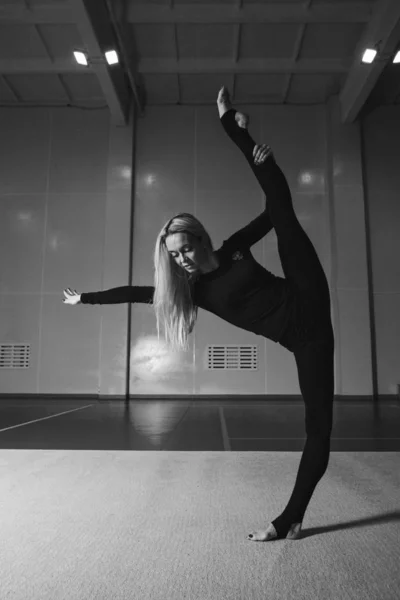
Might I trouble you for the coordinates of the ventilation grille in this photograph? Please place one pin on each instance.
(232, 358)
(14, 356)
(219, 358)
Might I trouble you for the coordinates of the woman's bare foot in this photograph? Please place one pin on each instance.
(223, 101)
(224, 104)
(270, 533)
(263, 535)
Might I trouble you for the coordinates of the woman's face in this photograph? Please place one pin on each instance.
(187, 251)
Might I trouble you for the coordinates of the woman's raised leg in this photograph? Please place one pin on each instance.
(300, 262)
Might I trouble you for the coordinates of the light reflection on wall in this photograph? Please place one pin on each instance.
(150, 179)
(153, 361)
(309, 179)
(25, 221)
(337, 168)
(126, 172)
(24, 217)
(306, 178)
(54, 242)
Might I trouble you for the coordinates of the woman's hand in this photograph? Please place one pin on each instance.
(261, 153)
(71, 297)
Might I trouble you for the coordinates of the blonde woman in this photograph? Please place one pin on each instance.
(293, 311)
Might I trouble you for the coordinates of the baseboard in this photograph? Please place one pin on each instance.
(190, 397)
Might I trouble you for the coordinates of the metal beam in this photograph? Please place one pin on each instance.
(45, 65)
(173, 66)
(91, 18)
(384, 28)
(354, 12)
(12, 12)
(296, 53)
(253, 65)
(117, 11)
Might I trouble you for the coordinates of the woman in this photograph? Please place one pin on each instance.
(293, 311)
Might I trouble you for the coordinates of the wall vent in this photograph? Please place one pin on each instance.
(219, 358)
(232, 358)
(14, 356)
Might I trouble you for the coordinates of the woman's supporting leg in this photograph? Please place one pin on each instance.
(315, 365)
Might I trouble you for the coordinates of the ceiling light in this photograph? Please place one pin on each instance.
(112, 57)
(369, 56)
(80, 58)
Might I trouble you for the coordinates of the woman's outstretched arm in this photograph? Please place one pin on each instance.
(120, 295)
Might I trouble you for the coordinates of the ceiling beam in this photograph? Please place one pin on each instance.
(93, 23)
(246, 66)
(183, 66)
(354, 12)
(127, 47)
(14, 66)
(16, 13)
(384, 28)
(296, 53)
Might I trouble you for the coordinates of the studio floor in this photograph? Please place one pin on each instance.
(90, 511)
(196, 425)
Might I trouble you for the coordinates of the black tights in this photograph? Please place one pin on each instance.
(314, 353)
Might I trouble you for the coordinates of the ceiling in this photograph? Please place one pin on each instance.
(182, 51)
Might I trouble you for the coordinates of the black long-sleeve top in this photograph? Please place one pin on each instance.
(240, 290)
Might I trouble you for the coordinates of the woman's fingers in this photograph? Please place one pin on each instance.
(260, 150)
(267, 151)
(260, 153)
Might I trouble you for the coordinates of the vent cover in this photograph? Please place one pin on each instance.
(219, 358)
(14, 356)
(232, 358)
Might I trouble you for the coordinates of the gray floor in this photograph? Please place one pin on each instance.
(224, 425)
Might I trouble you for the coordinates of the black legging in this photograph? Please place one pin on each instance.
(314, 348)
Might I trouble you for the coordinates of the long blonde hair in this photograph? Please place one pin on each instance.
(174, 287)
